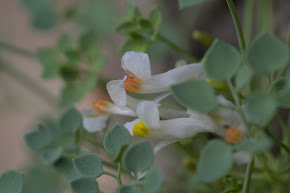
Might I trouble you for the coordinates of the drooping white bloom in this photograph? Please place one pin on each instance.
(93, 122)
(140, 80)
(149, 124)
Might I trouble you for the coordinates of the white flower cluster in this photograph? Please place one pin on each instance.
(174, 125)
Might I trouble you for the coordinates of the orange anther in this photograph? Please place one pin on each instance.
(133, 84)
(101, 106)
(233, 135)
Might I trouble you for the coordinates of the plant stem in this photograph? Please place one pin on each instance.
(181, 51)
(266, 15)
(17, 50)
(119, 172)
(31, 84)
(238, 26)
(247, 180)
(278, 142)
(201, 138)
(248, 19)
(237, 102)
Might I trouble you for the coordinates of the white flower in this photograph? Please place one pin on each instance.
(92, 122)
(149, 124)
(140, 80)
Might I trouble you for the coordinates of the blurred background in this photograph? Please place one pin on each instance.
(27, 95)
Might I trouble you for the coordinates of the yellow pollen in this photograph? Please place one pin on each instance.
(140, 130)
(233, 135)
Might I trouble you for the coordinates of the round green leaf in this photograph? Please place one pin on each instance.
(45, 19)
(280, 93)
(215, 161)
(117, 136)
(153, 180)
(138, 157)
(51, 155)
(196, 95)
(85, 185)
(36, 140)
(128, 189)
(63, 165)
(70, 120)
(267, 54)
(244, 75)
(11, 181)
(188, 3)
(48, 58)
(260, 108)
(89, 165)
(221, 61)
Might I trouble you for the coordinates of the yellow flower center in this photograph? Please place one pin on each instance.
(140, 130)
(215, 84)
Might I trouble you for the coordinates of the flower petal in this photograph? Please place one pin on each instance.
(130, 125)
(148, 112)
(117, 92)
(136, 64)
(162, 82)
(93, 124)
(241, 157)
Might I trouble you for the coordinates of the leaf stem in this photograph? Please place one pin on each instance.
(181, 51)
(248, 19)
(247, 180)
(119, 172)
(278, 142)
(28, 82)
(238, 26)
(17, 50)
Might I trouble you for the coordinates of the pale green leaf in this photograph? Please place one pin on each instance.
(267, 54)
(278, 90)
(153, 180)
(51, 155)
(196, 95)
(89, 165)
(70, 121)
(85, 185)
(11, 181)
(215, 161)
(138, 157)
(117, 136)
(221, 61)
(188, 3)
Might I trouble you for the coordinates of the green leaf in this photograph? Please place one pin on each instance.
(97, 60)
(35, 5)
(244, 75)
(117, 136)
(260, 108)
(89, 165)
(155, 17)
(63, 165)
(196, 95)
(69, 143)
(267, 54)
(70, 120)
(138, 157)
(153, 180)
(135, 44)
(133, 11)
(45, 19)
(51, 155)
(85, 185)
(221, 61)
(188, 3)
(65, 42)
(145, 24)
(280, 93)
(11, 181)
(72, 175)
(48, 58)
(36, 140)
(215, 161)
(88, 40)
(70, 95)
(254, 145)
(128, 189)
(118, 157)
(126, 26)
